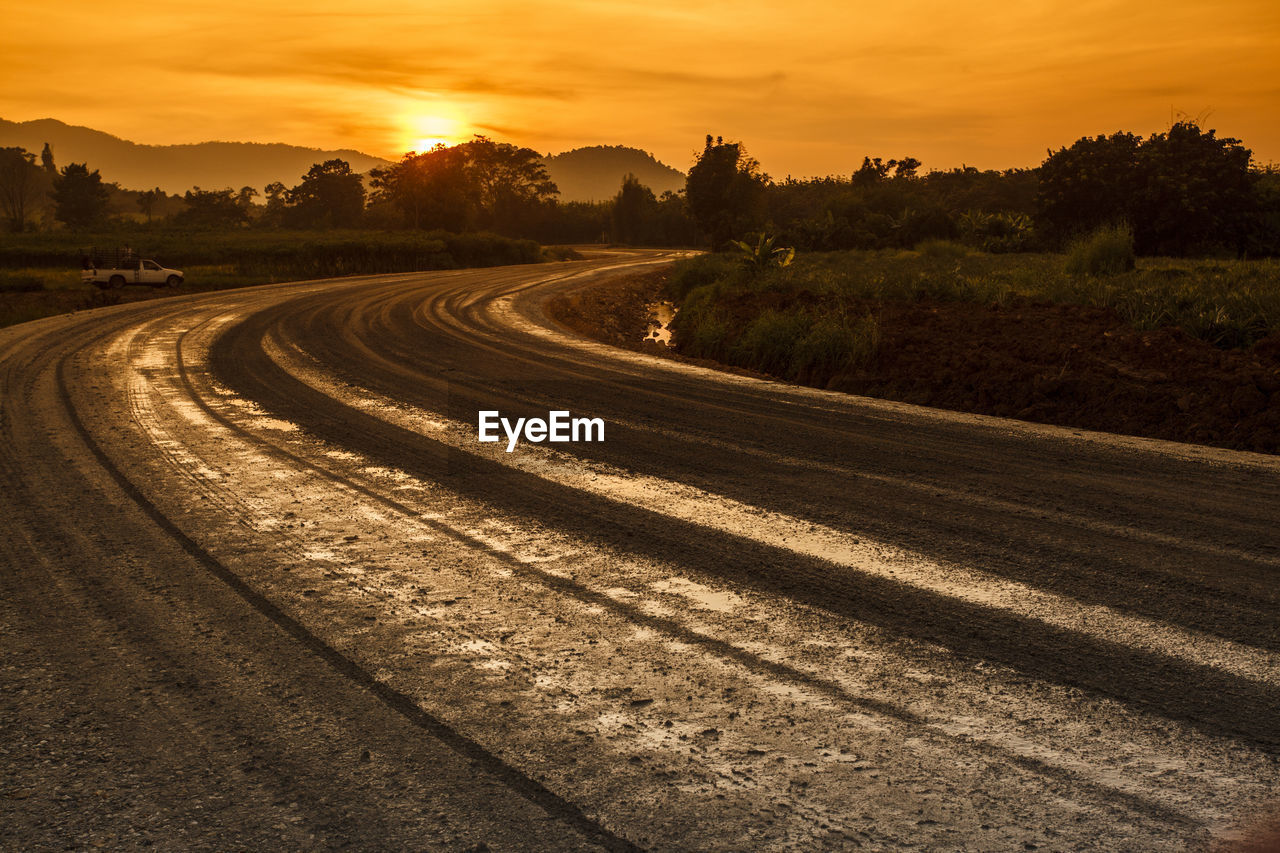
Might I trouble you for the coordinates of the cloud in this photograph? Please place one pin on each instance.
(362, 68)
(808, 85)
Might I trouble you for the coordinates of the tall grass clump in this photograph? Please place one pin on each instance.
(701, 325)
(759, 321)
(805, 344)
(769, 342)
(835, 345)
(699, 271)
(1106, 251)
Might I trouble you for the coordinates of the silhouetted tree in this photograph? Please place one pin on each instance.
(892, 204)
(1264, 227)
(872, 171)
(1090, 184)
(330, 195)
(509, 183)
(431, 189)
(275, 214)
(675, 227)
(212, 209)
(46, 160)
(477, 184)
(966, 188)
(79, 196)
(906, 167)
(634, 211)
(1181, 191)
(725, 191)
(572, 222)
(636, 217)
(147, 201)
(1198, 192)
(19, 177)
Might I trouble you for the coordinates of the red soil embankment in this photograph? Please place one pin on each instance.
(1058, 364)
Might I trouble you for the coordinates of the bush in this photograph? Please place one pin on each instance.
(699, 271)
(762, 254)
(807, 337)
(769, 342)
(834, 346)
(915, 226)
(1107, 251)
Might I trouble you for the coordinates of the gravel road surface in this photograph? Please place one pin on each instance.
(264, 586)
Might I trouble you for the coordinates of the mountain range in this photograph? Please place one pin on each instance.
(173, 168)
(583, 174)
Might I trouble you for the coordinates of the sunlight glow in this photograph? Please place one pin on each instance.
(424, 131)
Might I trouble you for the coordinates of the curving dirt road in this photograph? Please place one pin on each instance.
(262, 585)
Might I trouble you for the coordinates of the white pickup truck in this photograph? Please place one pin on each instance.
(118, 267)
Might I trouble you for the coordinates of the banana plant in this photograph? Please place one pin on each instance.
(764, 254)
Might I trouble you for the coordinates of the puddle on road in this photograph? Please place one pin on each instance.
(660, 315)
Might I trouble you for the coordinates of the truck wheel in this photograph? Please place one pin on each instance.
(116, 281)
(173, 281)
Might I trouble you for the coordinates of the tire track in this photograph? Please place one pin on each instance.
(517, 781)
(447, 343)
(1077, 777)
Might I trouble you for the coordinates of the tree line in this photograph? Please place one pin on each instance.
(1185, 191)
(1182, 191)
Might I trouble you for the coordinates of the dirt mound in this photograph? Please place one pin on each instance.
(615, 312)
(1057, 364)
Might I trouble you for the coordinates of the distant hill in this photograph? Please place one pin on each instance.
(596, 173)
(583, 174)
(174, 168)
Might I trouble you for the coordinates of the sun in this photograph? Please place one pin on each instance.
(424, 131)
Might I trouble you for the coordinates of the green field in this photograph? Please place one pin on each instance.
(40, 273)
(818, 316)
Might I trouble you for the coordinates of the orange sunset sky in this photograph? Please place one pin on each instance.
(809, 85)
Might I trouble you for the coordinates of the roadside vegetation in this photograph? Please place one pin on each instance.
(482, 203)
(1154, 231)
(1005, 292)
(280, 255)
(1107, 251)
(1186, 349)
(40, 272)
(817, 317)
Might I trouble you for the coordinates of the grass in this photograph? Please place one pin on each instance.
(21, 281)
(815, 319)
(753, 319)
(1107, 251)
(36, 268)
(295, 254)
